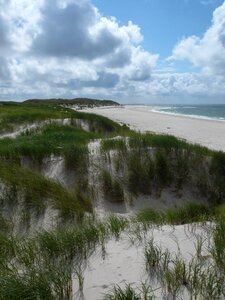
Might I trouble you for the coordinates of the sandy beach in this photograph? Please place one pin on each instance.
(209, 133)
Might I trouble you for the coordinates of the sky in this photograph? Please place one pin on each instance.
(132, 51)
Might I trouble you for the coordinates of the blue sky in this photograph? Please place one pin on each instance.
(163, 22)
(136, 51)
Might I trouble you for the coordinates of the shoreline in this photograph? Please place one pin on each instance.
(198, 117)
(152, 109)
(205, 132)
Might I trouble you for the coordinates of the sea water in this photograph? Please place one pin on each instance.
(216, 112)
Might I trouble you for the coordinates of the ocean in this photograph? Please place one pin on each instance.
(216, 112)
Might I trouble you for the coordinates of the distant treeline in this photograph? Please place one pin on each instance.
(75, 101)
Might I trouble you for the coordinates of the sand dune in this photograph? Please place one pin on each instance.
(209, 133)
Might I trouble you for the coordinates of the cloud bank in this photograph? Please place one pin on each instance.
(67, 48)
(207, 52)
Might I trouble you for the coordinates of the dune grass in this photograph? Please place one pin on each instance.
(118, 293)
(217, 172)
(38, 192)
(153, 255)
(112, 187)
(156, 169)
(101, 124)
(61, 140)
(17, 114)
(113, 144)
(48, 259)
(140, 172)
(165, 142)
(175, 274)
(218, 247)
(189, 213)
(67, 140)
(151, 163)
(12, 114)
(170, 164)
(116, 225)
(139, 140)
(52, 139)
(43, 264)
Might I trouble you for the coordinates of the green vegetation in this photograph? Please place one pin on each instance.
(140, 172)
(144, 292)
(128, 293)
(218, 248)
(44, 264)
(52, 139)
(77, 101)
(217, 171)
(167, 142)
(112, 188)
(47, 263)
(189, 213)
(176, 274)
(113, 144)
(36, 193)
(48, 260)
(153, 255)
(116, 225)
(13, 114)
(151, 163)
(17, 114)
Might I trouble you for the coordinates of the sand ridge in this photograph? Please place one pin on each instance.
(208, 133)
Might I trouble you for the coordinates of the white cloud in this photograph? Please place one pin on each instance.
(207, 52)
(67, 48)
(141, 66)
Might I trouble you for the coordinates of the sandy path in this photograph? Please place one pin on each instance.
(209, 133)
(124, 261)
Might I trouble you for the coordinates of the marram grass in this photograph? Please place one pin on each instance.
(48, 259)
(37, 192)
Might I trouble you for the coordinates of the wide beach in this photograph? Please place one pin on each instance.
(208, 133)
